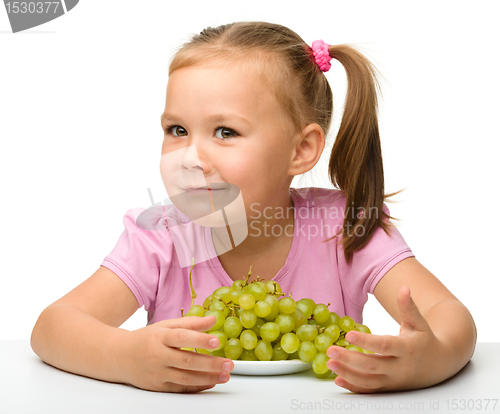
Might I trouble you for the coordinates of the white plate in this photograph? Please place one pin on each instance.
(270, 367)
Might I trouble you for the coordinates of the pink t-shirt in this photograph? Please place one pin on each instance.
(147, 262)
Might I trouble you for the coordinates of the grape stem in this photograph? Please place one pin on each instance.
(193, 293)
(245, 282)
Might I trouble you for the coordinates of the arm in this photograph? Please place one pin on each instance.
(79, 333)
(437, 335)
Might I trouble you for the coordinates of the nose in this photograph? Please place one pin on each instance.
(190, 160)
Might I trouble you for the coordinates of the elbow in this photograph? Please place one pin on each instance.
(35, 337)
(37, 334)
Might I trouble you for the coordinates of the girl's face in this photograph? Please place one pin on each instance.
(229, 129)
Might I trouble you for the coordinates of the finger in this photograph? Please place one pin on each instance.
(411, 318)
(187, 338)
(190, 378)
(193, 361)
(171, 387)
(370, 363)
(341, 382)
(356, 379)
(197, 323)
(381, 344)
(198, 388)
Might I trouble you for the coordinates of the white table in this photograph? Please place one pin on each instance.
(29, 386)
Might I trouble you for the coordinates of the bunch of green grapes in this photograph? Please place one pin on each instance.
(255, 323)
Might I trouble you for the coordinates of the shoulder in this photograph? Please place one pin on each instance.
(148, 227)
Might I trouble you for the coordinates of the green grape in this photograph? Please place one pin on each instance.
(323, 376)
(234, 296)
(362, 328)
(290, 343)
(222, 339)
(346, 323)
(294, 355)
(196, 310)
(218, 353)
(334, 318)
(269, 331)
(248, 355)
(321, 313)
(311, 302)
(233, 348)
(273, 301)
(232, 327)
(307, 333)
(319, 363)
(203, 351)
(262, 308)
(312, 322)
(333, 331)
(248, 318)
(246, 301)
(237, 285)
(207, 301)
(248, 339)
(305, 307)
(278, 353)
(263, 351)
(287, 305)
(323, 342)
(325, 324)
(219, 305)
(222, 293)
(307, 351)
(354, 348)
(257, 291)
(258, 325)
(272, 287)
(299, 319)
(341, 342)
(219, 319)
(285, 322)
(366, 351)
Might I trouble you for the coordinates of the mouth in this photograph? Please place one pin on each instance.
(213, 187)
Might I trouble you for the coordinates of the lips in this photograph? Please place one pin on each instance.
(213, 187)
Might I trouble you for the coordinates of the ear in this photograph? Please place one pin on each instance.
(307, 150)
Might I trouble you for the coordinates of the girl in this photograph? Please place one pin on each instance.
(248, 107)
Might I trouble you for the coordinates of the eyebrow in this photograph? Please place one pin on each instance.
(212, 118)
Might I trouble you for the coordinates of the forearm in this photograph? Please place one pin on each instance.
(453, 325)
(72, 340)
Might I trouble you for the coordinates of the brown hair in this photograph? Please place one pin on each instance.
(285, 63)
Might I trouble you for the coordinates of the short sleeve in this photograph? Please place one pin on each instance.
(140, 257)
(371, 263)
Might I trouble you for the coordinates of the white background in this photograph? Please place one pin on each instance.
(80, 105)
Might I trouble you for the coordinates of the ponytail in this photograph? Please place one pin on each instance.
(355, 165)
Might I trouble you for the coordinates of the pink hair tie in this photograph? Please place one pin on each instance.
(322, 55)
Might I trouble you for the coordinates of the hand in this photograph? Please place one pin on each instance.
(154, 360)
(403, 362)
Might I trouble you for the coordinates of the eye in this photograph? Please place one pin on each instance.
(226, 133)
(175, 130)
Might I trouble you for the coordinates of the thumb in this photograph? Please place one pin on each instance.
(195, 323)
(411, 318)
